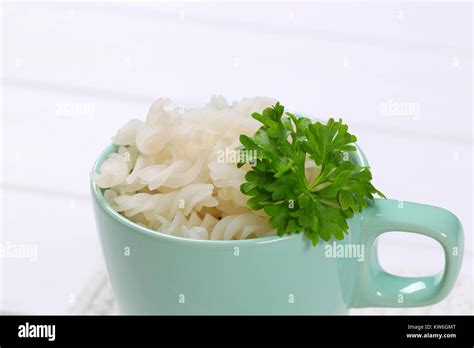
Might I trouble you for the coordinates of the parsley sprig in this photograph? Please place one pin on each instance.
(277, 182)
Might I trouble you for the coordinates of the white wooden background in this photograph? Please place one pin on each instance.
(74, 73)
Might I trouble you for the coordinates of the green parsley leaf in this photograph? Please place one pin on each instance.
(277, 181)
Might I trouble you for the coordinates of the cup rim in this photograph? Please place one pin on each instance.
(97, 192)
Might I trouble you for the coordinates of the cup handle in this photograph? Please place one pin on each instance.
(377, 288)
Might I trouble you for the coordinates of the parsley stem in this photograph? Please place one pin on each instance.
(317, 180)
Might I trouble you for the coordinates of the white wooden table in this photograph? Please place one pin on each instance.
(73, 74)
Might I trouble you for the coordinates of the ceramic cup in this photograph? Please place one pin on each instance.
(155, 273)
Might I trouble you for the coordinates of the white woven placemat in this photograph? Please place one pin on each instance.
(96, 298)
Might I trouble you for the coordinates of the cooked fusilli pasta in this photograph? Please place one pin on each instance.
(176, 172)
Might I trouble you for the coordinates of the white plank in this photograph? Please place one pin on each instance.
(51, 140)
(390, 21)
(142, 56)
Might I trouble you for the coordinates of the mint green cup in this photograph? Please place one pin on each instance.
(155, 273)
